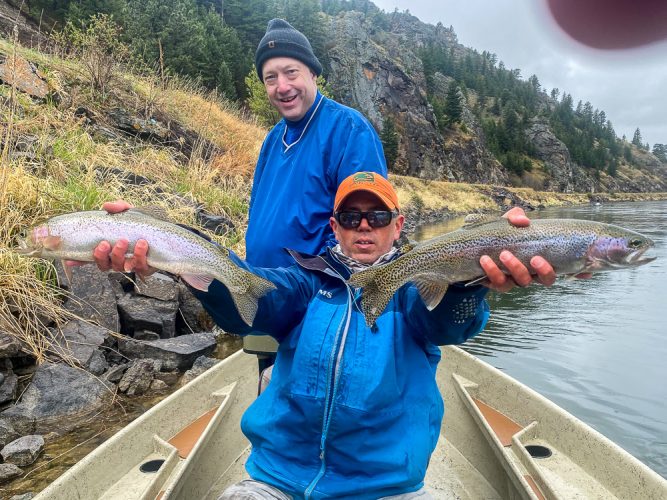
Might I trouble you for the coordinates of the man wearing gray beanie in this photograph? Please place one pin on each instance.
(282, 40)
(304, 158)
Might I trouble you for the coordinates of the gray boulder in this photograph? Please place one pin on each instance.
(8, 387)
(201, 364)
(138, 377)
(23, 451)
(9, 345)
(81, 341)
(7, 433)
(146, 335)
(178, 353)
(115, 373)
(94, 297)
(59, 396)
(146, 313)
(9, 472)
(24, 496)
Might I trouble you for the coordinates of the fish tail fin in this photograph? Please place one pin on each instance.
(374, 299)
(246, 300)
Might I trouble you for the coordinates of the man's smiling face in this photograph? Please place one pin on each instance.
(365, 243)
(290, 85)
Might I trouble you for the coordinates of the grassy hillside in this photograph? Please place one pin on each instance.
(62, 154)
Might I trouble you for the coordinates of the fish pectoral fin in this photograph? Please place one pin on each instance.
(431, 292)
(68, 273)
(476, 281)
(197, 281)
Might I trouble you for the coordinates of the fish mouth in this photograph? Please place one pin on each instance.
(635, 258)
(28, 245)
(24, 249)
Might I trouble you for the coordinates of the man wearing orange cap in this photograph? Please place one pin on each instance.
(351, 411)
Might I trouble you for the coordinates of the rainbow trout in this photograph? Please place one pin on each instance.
(172, 248)
(571, 246)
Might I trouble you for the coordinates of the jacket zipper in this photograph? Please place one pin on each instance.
(332, 387)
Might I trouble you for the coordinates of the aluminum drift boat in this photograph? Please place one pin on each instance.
(499, 440)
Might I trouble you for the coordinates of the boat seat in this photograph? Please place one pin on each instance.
(503, 426)
(184, 441)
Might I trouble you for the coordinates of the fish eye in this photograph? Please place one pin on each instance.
(636, 243)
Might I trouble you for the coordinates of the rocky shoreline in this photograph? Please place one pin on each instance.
(131, 337)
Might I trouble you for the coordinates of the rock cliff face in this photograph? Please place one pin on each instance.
(380, 73)
(371, 77)
(564, 175)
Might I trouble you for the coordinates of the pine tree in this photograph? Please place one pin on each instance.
(637, 139)
(225, 82)
(389, 137)
(453, 105)
(660, 152)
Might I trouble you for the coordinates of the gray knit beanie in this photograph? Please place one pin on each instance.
(282, 40)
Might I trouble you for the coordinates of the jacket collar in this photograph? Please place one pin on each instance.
(324, 262)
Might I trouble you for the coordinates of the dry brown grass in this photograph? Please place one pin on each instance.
(215, 119)
(65, 171)
(440, 195)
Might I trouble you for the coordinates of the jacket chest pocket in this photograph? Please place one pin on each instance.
(373, 371)
(312, 345)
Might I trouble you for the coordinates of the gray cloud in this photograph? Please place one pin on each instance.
(629, 86)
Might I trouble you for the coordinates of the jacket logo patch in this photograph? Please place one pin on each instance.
(326, 293)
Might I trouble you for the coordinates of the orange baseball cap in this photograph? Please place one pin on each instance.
(371, 182)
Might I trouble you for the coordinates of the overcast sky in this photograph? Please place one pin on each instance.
(630, 86)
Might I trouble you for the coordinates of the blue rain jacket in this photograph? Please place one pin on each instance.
(350, 412)
(294, 186)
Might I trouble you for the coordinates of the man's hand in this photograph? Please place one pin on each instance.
(518, 273)
(108, 258)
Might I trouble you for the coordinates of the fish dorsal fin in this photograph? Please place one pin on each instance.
(154, 211)
(431, 291)
(406, 248)
(474, 220)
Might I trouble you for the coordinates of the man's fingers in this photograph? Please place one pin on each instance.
(139, 262)
(517, 217)
(101, 256)
(118, 255)
(545, 273)
(520, 274)
(114, 207)
(498, 280)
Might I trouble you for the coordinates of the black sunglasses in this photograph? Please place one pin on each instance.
(375, 218)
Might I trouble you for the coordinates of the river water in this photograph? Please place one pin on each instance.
(597, 347)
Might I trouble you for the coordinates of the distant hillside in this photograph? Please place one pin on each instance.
(444, 111)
